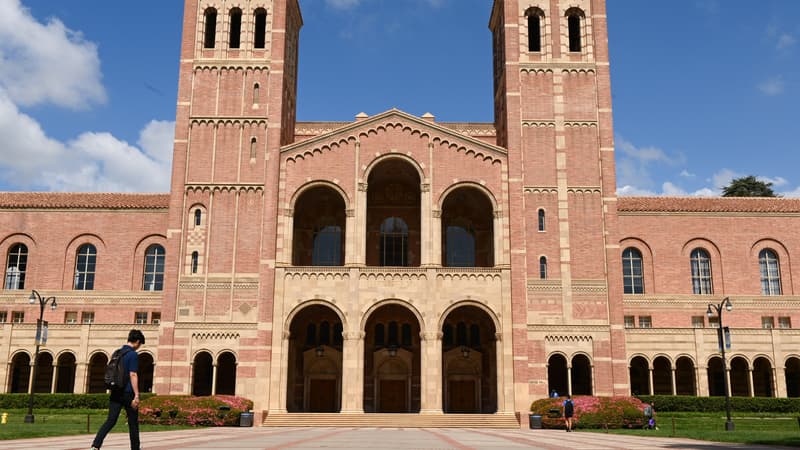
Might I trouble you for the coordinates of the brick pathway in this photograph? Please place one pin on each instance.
(369, 438)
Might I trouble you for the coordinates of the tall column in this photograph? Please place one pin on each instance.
(426, 258)
(674, 382)
(353, 372)
(701, 389)
(214, 379)
(54, 378)
(650, 380)
(750, 382)
(431, 369)
(781, 389)
(81, 375)
(498, 351)
(30, 377)
(569, 379)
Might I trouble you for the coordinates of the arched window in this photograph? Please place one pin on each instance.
(154, 268)
(210, 38)
(701, 272)
(405, 335)
(475, 335)
(85, 262)
(236, 28)
(380, 335)
(394, 242)
(253, 148)
(256, 97)
(311, 334)
(541, 220)
(16, 266)
(543, 268)
(195, 261)
(325, 333)
(632, 276)
(461, 333)
(460, 242)
(198, 217)
(535, 22)
(260, 36)
(467, 229)
(574, 18)
(770, 272)
(327, 245)
(318, 230)
(393, 333)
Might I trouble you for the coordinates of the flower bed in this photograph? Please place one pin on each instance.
(593, 412)
(217, 411)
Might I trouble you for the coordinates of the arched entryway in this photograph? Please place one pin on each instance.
(716, 377)
(685, 376)
(469, 362)
(393, 214)
(43, 384)
(65, 373)
(95, 382)
(19, 373)
(467, 229)
(581, 375)
(392, 361)
(226, 374)
(557, 375)
(315, 361)
(662, 376)
(639, 372)
(319, 228)
(146, 369)
(792, 372)
(202, 374)
(740, 377)
(762, 378)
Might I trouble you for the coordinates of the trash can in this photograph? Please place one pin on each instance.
(535, 422)
(246, 419)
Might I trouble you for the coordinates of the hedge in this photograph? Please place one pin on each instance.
(683, 403)
(593, 412)
(217, 411)
(57, 401)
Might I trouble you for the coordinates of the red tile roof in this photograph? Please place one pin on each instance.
(709, 204)
(63, 200)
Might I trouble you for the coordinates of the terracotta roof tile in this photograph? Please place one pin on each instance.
(709, 204)
(62, 200)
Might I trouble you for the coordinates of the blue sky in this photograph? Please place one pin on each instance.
(703, 90)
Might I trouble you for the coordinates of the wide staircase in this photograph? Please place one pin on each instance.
(335, 420)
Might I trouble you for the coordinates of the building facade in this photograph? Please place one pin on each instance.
(395, 263)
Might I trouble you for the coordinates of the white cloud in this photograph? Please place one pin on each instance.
(772, 87)
(634, 163)
(686, 174)
(46, 62)
(342, 4)
(91, 162)
(776, 182)
(723, 178)
(785, 40)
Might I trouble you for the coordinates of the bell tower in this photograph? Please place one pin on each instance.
(236, 108)
(553, 114)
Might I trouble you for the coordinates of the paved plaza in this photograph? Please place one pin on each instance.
(368, 438)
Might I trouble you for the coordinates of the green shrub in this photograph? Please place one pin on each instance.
(593, 412)
(217, 411)
(57, 401)
(682, 403)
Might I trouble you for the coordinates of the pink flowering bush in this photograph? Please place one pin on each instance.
(216, 411)
(593, 412)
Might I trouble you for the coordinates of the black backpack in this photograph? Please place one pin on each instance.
(116, 376)
(569, 408)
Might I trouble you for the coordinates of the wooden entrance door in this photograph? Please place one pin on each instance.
(322, 396)
(462, 396)
(394, 396)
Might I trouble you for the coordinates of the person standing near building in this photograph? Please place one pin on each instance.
(569, 411)
(128, 396)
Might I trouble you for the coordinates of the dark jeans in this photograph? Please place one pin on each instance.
(116, 403)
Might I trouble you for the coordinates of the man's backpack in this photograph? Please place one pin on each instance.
(569, 408)
(116, 377)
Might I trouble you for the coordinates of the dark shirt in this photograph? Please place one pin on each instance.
(131, 364)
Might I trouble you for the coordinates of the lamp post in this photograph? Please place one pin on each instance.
(40, 335)
(725, 305)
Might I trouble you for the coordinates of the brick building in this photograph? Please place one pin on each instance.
(395, 263)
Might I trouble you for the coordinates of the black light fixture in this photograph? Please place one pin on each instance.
(40, 336)
(726, 305)
(392, 351)
(320, 351)
(465, 351)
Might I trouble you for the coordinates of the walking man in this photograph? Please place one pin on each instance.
(569, 411)
(127, 396)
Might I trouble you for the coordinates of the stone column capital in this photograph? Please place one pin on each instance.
(431, 335)
(353, 335)
(287, 334)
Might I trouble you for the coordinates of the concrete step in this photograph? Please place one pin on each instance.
(335, 420)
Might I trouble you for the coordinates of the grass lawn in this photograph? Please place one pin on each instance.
(750, 428)
(63, 422)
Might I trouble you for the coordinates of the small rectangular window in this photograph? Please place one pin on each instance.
(155, 318)
(784, 322)
(236, 28)
(87, 317)
(3, 317)
(71, 317)
(260, 37)
(140, 318)
(18, 316)
(630, 322)
(534, 33)
(698, 321)
(210, 38)
(574, 22)
(713, 322)
(645, 322)
(768, 322)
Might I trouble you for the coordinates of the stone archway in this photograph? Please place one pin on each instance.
(95, 383)
(762, 378)
(392, 360)
(557, 375)
(43, 384)
(202, 374)
(740, 377)
(639, 372)
(685, 376)
(469, 362)
(792, 373)
(581, 375)
(146, 369)
(226, 374)
(19, 373)
(662, 376)
(716, 377)
(314, 371)
(65, 373)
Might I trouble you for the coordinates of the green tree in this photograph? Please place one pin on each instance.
(748, 186)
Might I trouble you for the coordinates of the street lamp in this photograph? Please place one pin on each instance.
(726, 305)
(40, 336)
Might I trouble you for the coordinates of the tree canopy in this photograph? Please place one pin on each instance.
(748, 186)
